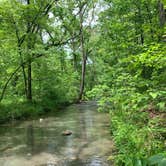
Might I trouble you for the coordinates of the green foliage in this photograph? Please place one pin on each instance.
(132, 81)
(40, 53)
(134, 99)
(19, 110)
(41, 44)
(137, 136)
(29, 34)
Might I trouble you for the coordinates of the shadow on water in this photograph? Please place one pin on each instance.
(40, 143)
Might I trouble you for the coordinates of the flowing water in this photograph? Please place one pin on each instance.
(41, 143)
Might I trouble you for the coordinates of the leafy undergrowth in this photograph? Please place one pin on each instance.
(138, 125)
(24, 110)
(135, 95)
(139, 138)
(15, 107)
(20, 110)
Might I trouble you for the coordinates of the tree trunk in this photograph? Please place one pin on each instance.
(20, 41)
(7, 82)
(23, 70)
(75, 61)
(29, 91)
(140, 25)
(162, 15)
(162, 19)
(82, 85)
(29, 79)
(150, 20)
(139, 32)
(74, 54)
(84, 58)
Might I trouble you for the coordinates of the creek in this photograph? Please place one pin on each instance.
(40, 142)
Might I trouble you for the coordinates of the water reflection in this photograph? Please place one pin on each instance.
(30, 139)
(32, 143)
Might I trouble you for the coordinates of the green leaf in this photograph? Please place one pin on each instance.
(161, 105)
(153, 95)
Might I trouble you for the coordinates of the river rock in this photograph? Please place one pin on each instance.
(66, 132)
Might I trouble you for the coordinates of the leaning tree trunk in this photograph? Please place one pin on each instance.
(7, 82)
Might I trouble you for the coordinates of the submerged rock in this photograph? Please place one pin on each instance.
(66, 132)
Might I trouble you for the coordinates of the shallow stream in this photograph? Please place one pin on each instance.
(40, 142)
